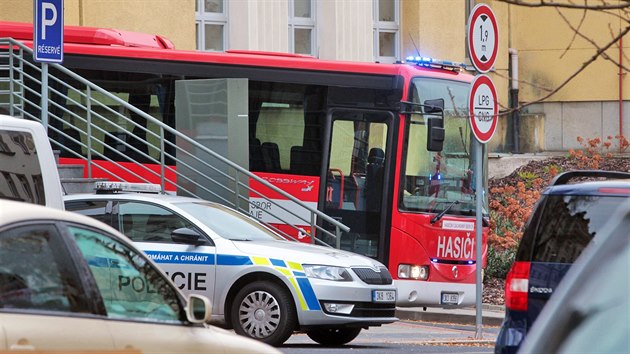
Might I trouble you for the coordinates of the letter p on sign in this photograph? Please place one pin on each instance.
(48, 9)
(48, 31)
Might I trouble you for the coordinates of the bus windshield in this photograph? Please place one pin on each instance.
(434, 180)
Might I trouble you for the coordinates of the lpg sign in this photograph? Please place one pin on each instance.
(48, 28)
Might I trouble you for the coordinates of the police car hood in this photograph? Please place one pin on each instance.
(303, 253)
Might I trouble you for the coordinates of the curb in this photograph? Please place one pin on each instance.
(490, 316)
(460, 342)
(490, 307)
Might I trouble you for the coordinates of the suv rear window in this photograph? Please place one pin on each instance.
(564, 225)
(20, 171)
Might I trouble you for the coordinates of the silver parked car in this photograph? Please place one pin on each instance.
(69, 283)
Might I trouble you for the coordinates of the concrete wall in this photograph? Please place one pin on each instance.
(437, 27)
(256, 25)
(555, 126)
(173, 19)
(345, 30)
(19, 10)
(532, 138)
(565, 121)
(549, 53)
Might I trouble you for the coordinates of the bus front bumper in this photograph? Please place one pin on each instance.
(415, 293)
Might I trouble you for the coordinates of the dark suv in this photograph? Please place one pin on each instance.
(565, 219)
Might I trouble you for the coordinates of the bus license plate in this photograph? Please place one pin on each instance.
(384, 295)
(450, 298)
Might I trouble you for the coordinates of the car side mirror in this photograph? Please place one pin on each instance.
(187, 236)
(435, 132)
(198, 309)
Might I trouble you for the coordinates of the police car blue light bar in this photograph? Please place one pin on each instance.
(114, 187)
(435, 63)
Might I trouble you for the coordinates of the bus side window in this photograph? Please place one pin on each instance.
(304, 162)
(334, 189)
(271, 157)
(256, 160)
(374, 178)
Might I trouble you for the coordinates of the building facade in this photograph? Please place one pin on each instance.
(550, 44)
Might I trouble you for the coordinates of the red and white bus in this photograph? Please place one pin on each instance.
(348, 138)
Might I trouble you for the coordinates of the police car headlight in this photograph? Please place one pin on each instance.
(327, 272)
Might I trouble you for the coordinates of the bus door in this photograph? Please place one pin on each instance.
(356, 182)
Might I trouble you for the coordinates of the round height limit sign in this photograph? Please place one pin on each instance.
(483, 37)
(483, 108)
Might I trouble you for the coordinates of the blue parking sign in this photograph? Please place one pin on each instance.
(48, 31)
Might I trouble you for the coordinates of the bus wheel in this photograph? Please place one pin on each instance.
(264, 311)
(333, 337)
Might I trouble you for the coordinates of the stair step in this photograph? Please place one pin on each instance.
(70, 171)
(80, 185)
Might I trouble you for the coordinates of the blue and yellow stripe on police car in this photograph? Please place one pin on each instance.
(296, 276)
(293, 271)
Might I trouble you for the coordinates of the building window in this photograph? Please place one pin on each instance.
(386, 30)
(211, 25)
(302, 27)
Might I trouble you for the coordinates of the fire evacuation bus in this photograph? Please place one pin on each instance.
(352, 139)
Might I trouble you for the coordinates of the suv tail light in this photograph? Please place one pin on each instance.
(516, 286)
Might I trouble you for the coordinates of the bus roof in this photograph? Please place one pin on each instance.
(135, 45)
(90, 35)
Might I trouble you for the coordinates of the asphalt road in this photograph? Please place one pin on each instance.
(405, 337)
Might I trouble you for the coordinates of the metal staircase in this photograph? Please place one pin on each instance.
(94, 130)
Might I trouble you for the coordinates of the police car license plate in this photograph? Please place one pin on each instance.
(450, 298)
(383, 295)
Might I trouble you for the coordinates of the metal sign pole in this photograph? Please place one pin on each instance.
(44, 100)
(482, 35)
(478, 232)
(47, 44)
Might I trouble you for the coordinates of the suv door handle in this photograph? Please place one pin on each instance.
(22, 347)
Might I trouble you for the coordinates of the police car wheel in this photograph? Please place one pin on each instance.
(332, 337)
(264, 311)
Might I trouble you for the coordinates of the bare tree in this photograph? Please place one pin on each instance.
(617, 9)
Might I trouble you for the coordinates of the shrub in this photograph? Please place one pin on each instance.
(512, 199)
(553, 170)
(593, 149)
(499, 262)
(528, 177)
(510, 207)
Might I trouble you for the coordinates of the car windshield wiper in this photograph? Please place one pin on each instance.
(437, 217)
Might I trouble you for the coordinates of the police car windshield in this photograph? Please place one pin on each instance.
(228, 223)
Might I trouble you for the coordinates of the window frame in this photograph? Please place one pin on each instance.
(91, 286)
(386, 27)
(116, 221)
(23, 183)
(202, 18)
(303, 23)
(71, 269)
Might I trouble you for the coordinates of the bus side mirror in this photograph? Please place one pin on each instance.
(435, 132)
(434, 106)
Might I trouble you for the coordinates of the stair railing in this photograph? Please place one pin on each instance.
(102, 136)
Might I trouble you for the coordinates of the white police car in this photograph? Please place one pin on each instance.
(262, 285)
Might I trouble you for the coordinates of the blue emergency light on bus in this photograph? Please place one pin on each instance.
(435, 63)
